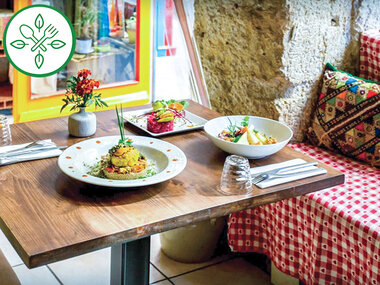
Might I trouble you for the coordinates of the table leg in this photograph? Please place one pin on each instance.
(130, 262)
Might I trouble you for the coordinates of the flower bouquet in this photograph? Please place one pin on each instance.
(80, 93)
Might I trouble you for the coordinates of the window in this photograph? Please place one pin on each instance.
(121, 42)
(113, 40)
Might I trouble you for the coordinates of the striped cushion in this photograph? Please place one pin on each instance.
(347, 116)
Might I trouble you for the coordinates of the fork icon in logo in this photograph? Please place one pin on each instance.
(50, 32)
(29, 33)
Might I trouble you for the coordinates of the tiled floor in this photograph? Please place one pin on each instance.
(94, 268)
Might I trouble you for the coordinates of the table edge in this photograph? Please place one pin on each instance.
(40, 259)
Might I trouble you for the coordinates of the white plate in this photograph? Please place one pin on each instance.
(195, 123)
(76, 159)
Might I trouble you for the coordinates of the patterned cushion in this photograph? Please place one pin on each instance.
(347, 116)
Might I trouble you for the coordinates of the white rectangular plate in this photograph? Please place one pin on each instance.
(196, 122)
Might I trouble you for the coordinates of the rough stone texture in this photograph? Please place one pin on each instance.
(266, 58)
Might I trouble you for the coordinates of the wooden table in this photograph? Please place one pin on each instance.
(48, 217)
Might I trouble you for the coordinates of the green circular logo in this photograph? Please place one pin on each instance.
(39, 40)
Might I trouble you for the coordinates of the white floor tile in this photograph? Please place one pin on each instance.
(8, 250)
(92, 268)
(36, 276)
(155, 275)
(231, 272)
(170, 267)
(165, 282)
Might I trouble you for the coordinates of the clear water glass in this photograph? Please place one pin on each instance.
(235, 167)
(5, 131)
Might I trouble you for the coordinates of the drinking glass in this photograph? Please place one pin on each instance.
(5, 132)
(235, 167)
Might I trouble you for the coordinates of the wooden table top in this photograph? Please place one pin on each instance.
(48, 216)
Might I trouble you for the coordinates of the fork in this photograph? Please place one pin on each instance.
(33, 146)
(285, 168)
(50, 32)
(259, 178)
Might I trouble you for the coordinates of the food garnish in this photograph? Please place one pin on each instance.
(245, 134)
(164, 115)
(123, 161)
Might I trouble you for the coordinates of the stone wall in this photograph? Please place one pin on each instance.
(266, 58)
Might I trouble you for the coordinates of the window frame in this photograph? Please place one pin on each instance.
(130, 93)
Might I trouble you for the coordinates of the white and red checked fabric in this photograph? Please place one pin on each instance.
(370, 55)
(327, 237)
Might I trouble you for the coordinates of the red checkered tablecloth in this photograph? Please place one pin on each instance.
(370, 55)
(328, 237)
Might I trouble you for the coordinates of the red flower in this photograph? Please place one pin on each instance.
(84, 73)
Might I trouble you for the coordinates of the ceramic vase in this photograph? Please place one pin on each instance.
(82, 124)
(83, 46)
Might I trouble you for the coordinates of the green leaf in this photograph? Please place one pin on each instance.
(85, 98)
(39, 22)
(237, 138)
(171, 101)
(185, 104)
(63, 107)
(244, 123)
(103, 103)
(39, 60)
(19, 44)
(73, 107)
(57, 44)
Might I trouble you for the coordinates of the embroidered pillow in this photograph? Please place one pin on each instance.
(347, 116)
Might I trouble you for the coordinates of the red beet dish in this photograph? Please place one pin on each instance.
(155, 127)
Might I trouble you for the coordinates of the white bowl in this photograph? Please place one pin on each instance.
(267, 126)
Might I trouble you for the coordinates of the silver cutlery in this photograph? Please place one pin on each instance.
(24, 156)
(28, 151)
(30, 146)
(265, 176)
(277, 173)
(287, 168)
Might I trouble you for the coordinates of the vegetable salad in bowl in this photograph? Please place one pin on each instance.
(244, 133)
(249, 136)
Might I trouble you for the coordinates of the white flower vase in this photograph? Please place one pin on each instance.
(82, 124)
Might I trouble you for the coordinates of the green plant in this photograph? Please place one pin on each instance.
(86, 20)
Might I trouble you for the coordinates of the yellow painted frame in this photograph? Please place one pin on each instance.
(135, 94)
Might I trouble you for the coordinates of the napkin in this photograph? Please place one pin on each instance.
(33, 154)
(276, 181)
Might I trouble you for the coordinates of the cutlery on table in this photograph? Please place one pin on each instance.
(22, 147)
(30, 151)
(285, 168)
(279, 172)
(49, 33)
(28, 33)
(259, 178)
(26, 156)
(31, 146)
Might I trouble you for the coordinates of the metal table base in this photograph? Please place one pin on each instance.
(130, 262)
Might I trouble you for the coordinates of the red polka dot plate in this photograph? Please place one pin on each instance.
(76, 160)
